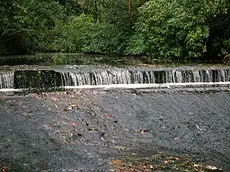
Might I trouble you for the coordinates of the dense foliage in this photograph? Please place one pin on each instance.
(160, 29)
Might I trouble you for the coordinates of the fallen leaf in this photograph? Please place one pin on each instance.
(209, 167)
(166, 162)
(196, 165)
(107, 115)
(73, 105)
(70, 107)
(117, 162)
(122, 148)
(142, 131)
(74, 124)
(4, 169)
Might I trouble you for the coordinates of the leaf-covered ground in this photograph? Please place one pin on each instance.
(115, 131)
(160, 163)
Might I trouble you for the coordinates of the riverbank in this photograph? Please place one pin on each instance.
(107, 130)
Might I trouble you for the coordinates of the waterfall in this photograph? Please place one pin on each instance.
(74, 77)
(6, 80)
(77, 76)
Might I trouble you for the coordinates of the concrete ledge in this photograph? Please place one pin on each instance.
(220, 86)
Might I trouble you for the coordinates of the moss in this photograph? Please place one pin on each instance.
(43, 79)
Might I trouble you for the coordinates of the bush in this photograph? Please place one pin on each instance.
(84, 35)
(24, 25)
(175, 29)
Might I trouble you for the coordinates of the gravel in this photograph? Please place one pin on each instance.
(85, 130)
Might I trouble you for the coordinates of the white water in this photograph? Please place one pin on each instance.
(6, 80)
(72, 77)
(141, 76)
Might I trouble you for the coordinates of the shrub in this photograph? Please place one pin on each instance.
(175, 29)
(84, 35)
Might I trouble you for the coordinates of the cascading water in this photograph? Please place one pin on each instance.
(6, 80)
(80, 76)
(74, 77)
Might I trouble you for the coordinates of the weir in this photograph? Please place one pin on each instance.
(78, 76)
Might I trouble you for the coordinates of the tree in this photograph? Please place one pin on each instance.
(25, 24)
(175, 29)
(162, 29)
